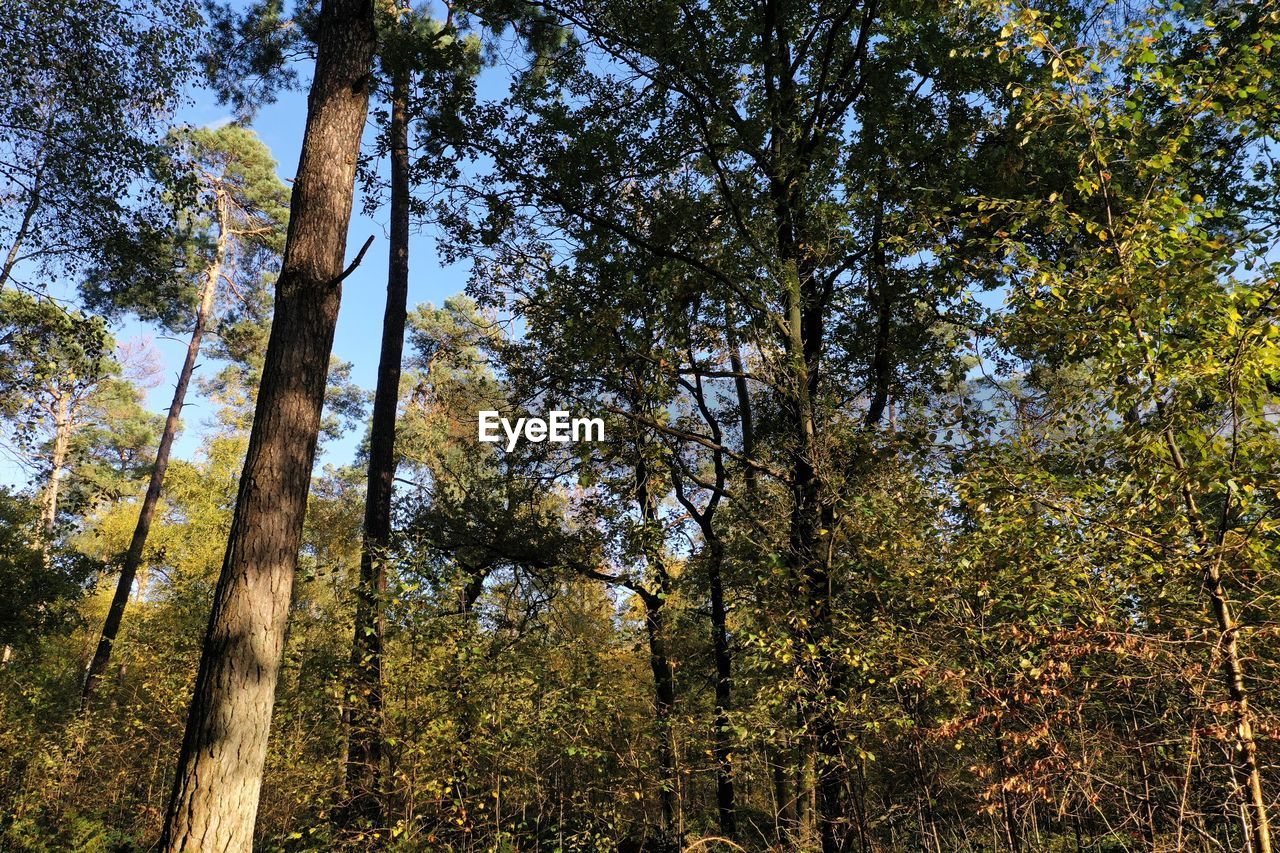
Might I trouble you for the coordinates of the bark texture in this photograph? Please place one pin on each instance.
(365, 745)
(57, 463)
(219, 775)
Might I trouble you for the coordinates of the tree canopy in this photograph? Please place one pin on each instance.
(935, 348)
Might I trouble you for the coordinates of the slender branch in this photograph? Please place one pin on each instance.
(355, 263)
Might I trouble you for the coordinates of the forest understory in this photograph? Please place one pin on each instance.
(936, 348)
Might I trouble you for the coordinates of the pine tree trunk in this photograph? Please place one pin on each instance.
(746, 419)
(57, 464)
(365, 745)
(219, 776)
(133, 557)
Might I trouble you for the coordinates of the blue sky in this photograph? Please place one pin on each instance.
(359, 331)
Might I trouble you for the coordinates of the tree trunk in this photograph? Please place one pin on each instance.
(57, 464)
(746, 419)
(28, 213)
(33, 205)
(133, 557)
(811, 519)
(1233, 670)
(1233, 673)
(726, 808)
(806, 796)
(723, 742)
(365, 746)
(664, 701)
(785, 806)
(1210, 547)
(219, 775)
(881, 298)
(655, 629)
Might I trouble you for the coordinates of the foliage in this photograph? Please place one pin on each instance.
(937, 506)
(40, 590)
(59, 375)
(87, 88)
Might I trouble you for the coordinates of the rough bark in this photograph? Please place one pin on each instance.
(365, 746)
(133, 557)
(57, 464)
(219, 774)
(746, 417)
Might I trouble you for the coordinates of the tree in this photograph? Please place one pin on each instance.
(429, 67)
(411, 45)
(41, 585)
(241, 209)
(111, 450)
(216, 788)
(654, 357)
(87, 92)
(1165, 262)
(55, 360)
(475, 521)
(1023, 596)
(774, 160)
